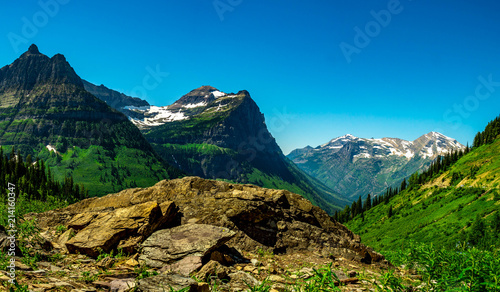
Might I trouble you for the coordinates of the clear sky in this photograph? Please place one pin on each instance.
(317, 69)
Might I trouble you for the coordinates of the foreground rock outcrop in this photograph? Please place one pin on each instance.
(218, 233)
(277, 220)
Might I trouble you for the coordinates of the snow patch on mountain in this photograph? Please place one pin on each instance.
(157, 116)
(218, 94)
(140, 108)
(362, 155)
(193, 105)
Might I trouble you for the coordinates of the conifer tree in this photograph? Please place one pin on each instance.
(368, 202)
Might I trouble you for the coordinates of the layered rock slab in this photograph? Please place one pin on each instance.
(120, 228)
(169, 245)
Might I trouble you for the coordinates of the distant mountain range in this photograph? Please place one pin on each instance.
(355, 167)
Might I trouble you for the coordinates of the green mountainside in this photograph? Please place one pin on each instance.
(46, 112)
(446, 206)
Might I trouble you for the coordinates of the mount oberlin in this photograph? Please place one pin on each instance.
(217, 135)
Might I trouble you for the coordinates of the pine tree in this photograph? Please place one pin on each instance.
(368, 202)
(403, 185)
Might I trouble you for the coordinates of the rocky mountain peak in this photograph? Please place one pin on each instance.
(199, 96)
(115, 99)
(59, 58)
(34, 68)
(338, 142)
(434, 143)
(33, 50)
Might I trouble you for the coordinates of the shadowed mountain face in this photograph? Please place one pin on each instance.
(211, 134)
(114, 99)
(356, 167)
(45, 111)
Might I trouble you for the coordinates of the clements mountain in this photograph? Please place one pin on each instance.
(355, 167)
(88, 131)
(46, 112)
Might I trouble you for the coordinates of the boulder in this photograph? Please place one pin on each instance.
(107, 229)
(211, 270)
(170, 245)
(241, 281)
(122, 285)
(185, 266)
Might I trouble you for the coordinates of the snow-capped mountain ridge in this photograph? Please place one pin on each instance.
(205, 98)
(426, 146)
(355, 166)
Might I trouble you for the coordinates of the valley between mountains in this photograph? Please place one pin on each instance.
(115, 194)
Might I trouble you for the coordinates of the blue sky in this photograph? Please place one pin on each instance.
(317, 70)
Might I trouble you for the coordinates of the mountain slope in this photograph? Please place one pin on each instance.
(355, 167)
(215, 135)
(443, 209)
(45, 111)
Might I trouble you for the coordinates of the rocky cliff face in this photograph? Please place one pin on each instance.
(356, 167)
(192, 226)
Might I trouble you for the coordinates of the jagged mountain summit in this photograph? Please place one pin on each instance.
(217, 135)
(355, 166)
(428, 145)
(45, 111)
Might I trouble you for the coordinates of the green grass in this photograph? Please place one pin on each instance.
(461, 269)
(25, 206)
